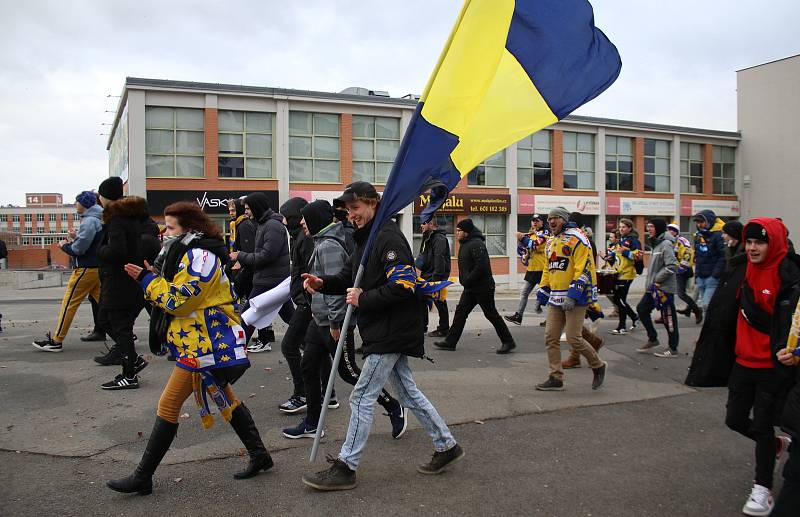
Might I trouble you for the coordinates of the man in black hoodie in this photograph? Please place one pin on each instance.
(433, 263)
(475, 274)
(269, 260)
(121, 298)
(302, 248)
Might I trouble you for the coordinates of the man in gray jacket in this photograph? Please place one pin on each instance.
(331, 251)
(661, 287)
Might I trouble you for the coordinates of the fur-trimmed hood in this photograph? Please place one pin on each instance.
(133, 207)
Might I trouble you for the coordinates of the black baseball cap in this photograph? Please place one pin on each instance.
(356, 190)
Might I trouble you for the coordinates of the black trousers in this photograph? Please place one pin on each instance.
(320, 345)
(466, 303)
(756, 390)
(118, 323)
(788, 502)
(444, 316)
(95, 316)
(683, 279)
(620, 299)
(668, 315)
(292, 341)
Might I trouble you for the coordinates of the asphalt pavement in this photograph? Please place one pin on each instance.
(643, 445)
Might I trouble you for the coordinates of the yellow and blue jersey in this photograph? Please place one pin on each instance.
(570, 270)
(205, 332)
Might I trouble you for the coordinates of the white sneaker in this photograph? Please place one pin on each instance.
(619, 332)
(760, 501)
(668, 353)
(257, 345)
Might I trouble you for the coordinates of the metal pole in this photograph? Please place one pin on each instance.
(334, 369)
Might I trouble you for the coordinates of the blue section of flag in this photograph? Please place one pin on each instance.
(569, 60)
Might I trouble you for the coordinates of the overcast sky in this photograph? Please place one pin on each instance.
(59, 61)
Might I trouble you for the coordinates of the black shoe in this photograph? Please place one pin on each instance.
(441, 460)
(47, 344)
(551, 384)
(444, 345)
(686, 312)
(113, 357)
(337, 477)
(140, 364)
(515, 318)
(141, 481)
(438, 333)
(96, 335)
(242, 422)
(399, 419)
(506, 347)
(121, 382)
(599, 376)
(543, 323)
(267, 335)
(295, 404)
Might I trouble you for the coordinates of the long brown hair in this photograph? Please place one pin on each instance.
(192, 218)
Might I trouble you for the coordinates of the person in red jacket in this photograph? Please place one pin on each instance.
(757, 384)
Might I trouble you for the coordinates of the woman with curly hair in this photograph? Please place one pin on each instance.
(202, 331)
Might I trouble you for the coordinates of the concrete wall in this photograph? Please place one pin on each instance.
(33, 279)
(768, 108)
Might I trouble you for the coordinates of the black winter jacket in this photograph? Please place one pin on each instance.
(714, 353)
(389, 315)
(709, 248)
(474, 268)
(302, 247)
(270, 257)
(121, 244)
(434, 256)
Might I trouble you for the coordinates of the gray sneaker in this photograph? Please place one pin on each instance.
(668, 353)
(441, 460)
(648, 347)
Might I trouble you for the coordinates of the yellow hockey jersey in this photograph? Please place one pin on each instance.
(570, 270)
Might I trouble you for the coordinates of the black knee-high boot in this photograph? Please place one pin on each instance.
(242, 422)
(141, 481)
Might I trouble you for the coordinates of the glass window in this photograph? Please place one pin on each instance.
(494, 229)
(15, 218)
(28, 218)
(40, 229)
(40, 218)
(724, 174)
(376, 141)
(492, 172)
(578, 161)
(245, 144)
(656, 165)
(51, 217)
(534, 162)
(446, 223)
(691, 168)
(313, 147)
(619, 163)
(65, 217)
(174, 142)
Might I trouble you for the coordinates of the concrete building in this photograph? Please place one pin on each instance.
(768, 111)
(174, 140)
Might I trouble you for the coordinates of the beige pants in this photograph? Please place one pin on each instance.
(571, 322)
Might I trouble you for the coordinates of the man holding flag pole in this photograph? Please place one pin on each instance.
(509, 68)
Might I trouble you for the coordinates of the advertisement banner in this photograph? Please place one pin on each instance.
(211, 201)
(469, 204)
(720, 207)
(589, 205)
(643, 206)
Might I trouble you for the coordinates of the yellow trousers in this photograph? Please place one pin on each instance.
(83, 281)
(178, 389)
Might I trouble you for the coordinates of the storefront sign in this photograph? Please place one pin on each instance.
(640, 206)
(211, 201)
(720, 207)
(468, 204)
(589, 205)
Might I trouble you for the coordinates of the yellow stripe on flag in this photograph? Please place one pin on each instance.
(479, 92)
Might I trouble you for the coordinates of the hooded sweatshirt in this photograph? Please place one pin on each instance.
(84, 247)
(709, 248)
(329, 256)
(301, 247)
(753, 348)
(663, 264)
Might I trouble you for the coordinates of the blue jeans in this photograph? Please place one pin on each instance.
(377, 370)
(706, 287)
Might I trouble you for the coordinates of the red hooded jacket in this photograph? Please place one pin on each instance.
(753, 347)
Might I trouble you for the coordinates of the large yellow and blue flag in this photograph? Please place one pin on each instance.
(509, 69)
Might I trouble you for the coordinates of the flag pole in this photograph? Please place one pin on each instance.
(335, 368)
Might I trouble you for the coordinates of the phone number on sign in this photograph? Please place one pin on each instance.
(497, 209)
